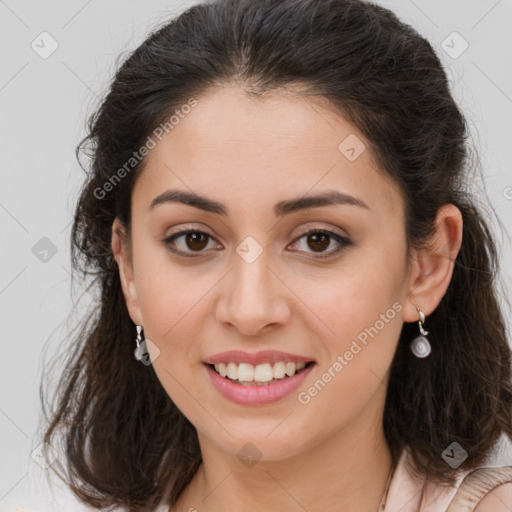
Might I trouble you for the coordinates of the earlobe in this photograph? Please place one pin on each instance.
(433, 265)
(120, 250)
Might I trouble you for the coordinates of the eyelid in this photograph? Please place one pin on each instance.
(316, 229)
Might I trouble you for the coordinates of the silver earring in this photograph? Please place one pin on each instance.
(140, 350)
(420, 346)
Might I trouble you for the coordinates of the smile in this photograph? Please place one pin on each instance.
(254, 392)
(249, 374)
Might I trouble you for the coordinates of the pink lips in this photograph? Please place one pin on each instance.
(259, 394)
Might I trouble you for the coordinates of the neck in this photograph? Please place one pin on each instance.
(346, 471)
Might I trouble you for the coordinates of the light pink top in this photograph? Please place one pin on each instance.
(404, 492)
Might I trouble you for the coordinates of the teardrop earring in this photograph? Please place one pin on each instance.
(140, 350)
(420, 346)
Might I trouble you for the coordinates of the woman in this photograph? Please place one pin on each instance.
(278, 219)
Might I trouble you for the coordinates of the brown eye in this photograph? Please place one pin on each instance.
(187, 242)
(318, 240)
(196, 241)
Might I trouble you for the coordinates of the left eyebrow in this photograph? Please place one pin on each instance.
(331, 197)
(328, 198)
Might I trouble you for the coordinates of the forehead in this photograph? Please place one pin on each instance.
(274, 146)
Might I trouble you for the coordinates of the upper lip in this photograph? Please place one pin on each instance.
(264, 356)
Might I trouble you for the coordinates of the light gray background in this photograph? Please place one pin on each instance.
(44, 105)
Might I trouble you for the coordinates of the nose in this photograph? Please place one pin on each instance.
(253, 298)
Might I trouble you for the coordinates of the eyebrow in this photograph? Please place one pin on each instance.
(328, 198)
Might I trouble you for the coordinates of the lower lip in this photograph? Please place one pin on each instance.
(261, 394)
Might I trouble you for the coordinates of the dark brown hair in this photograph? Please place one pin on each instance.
(125, 441)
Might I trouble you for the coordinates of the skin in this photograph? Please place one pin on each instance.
(249, 154)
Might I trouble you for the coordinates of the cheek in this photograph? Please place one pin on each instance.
(168, 294)
(359, 310)
(364, 287)
(171, 298)
(364, 315)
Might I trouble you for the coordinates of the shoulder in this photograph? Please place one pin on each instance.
(485, 489)
(497, 500)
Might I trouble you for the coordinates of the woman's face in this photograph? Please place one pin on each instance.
(255, 282)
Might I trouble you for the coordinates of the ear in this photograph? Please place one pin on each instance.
(432, 266)
(122, 254)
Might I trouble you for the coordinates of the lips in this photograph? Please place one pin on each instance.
(257, 395)
(264, 356)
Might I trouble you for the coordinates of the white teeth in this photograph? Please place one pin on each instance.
(290, 369)
(279, 370)
(222, 369)
(262, 373)
(233, 371)
(245, 372)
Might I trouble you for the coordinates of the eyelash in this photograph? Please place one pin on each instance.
(345, 242)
